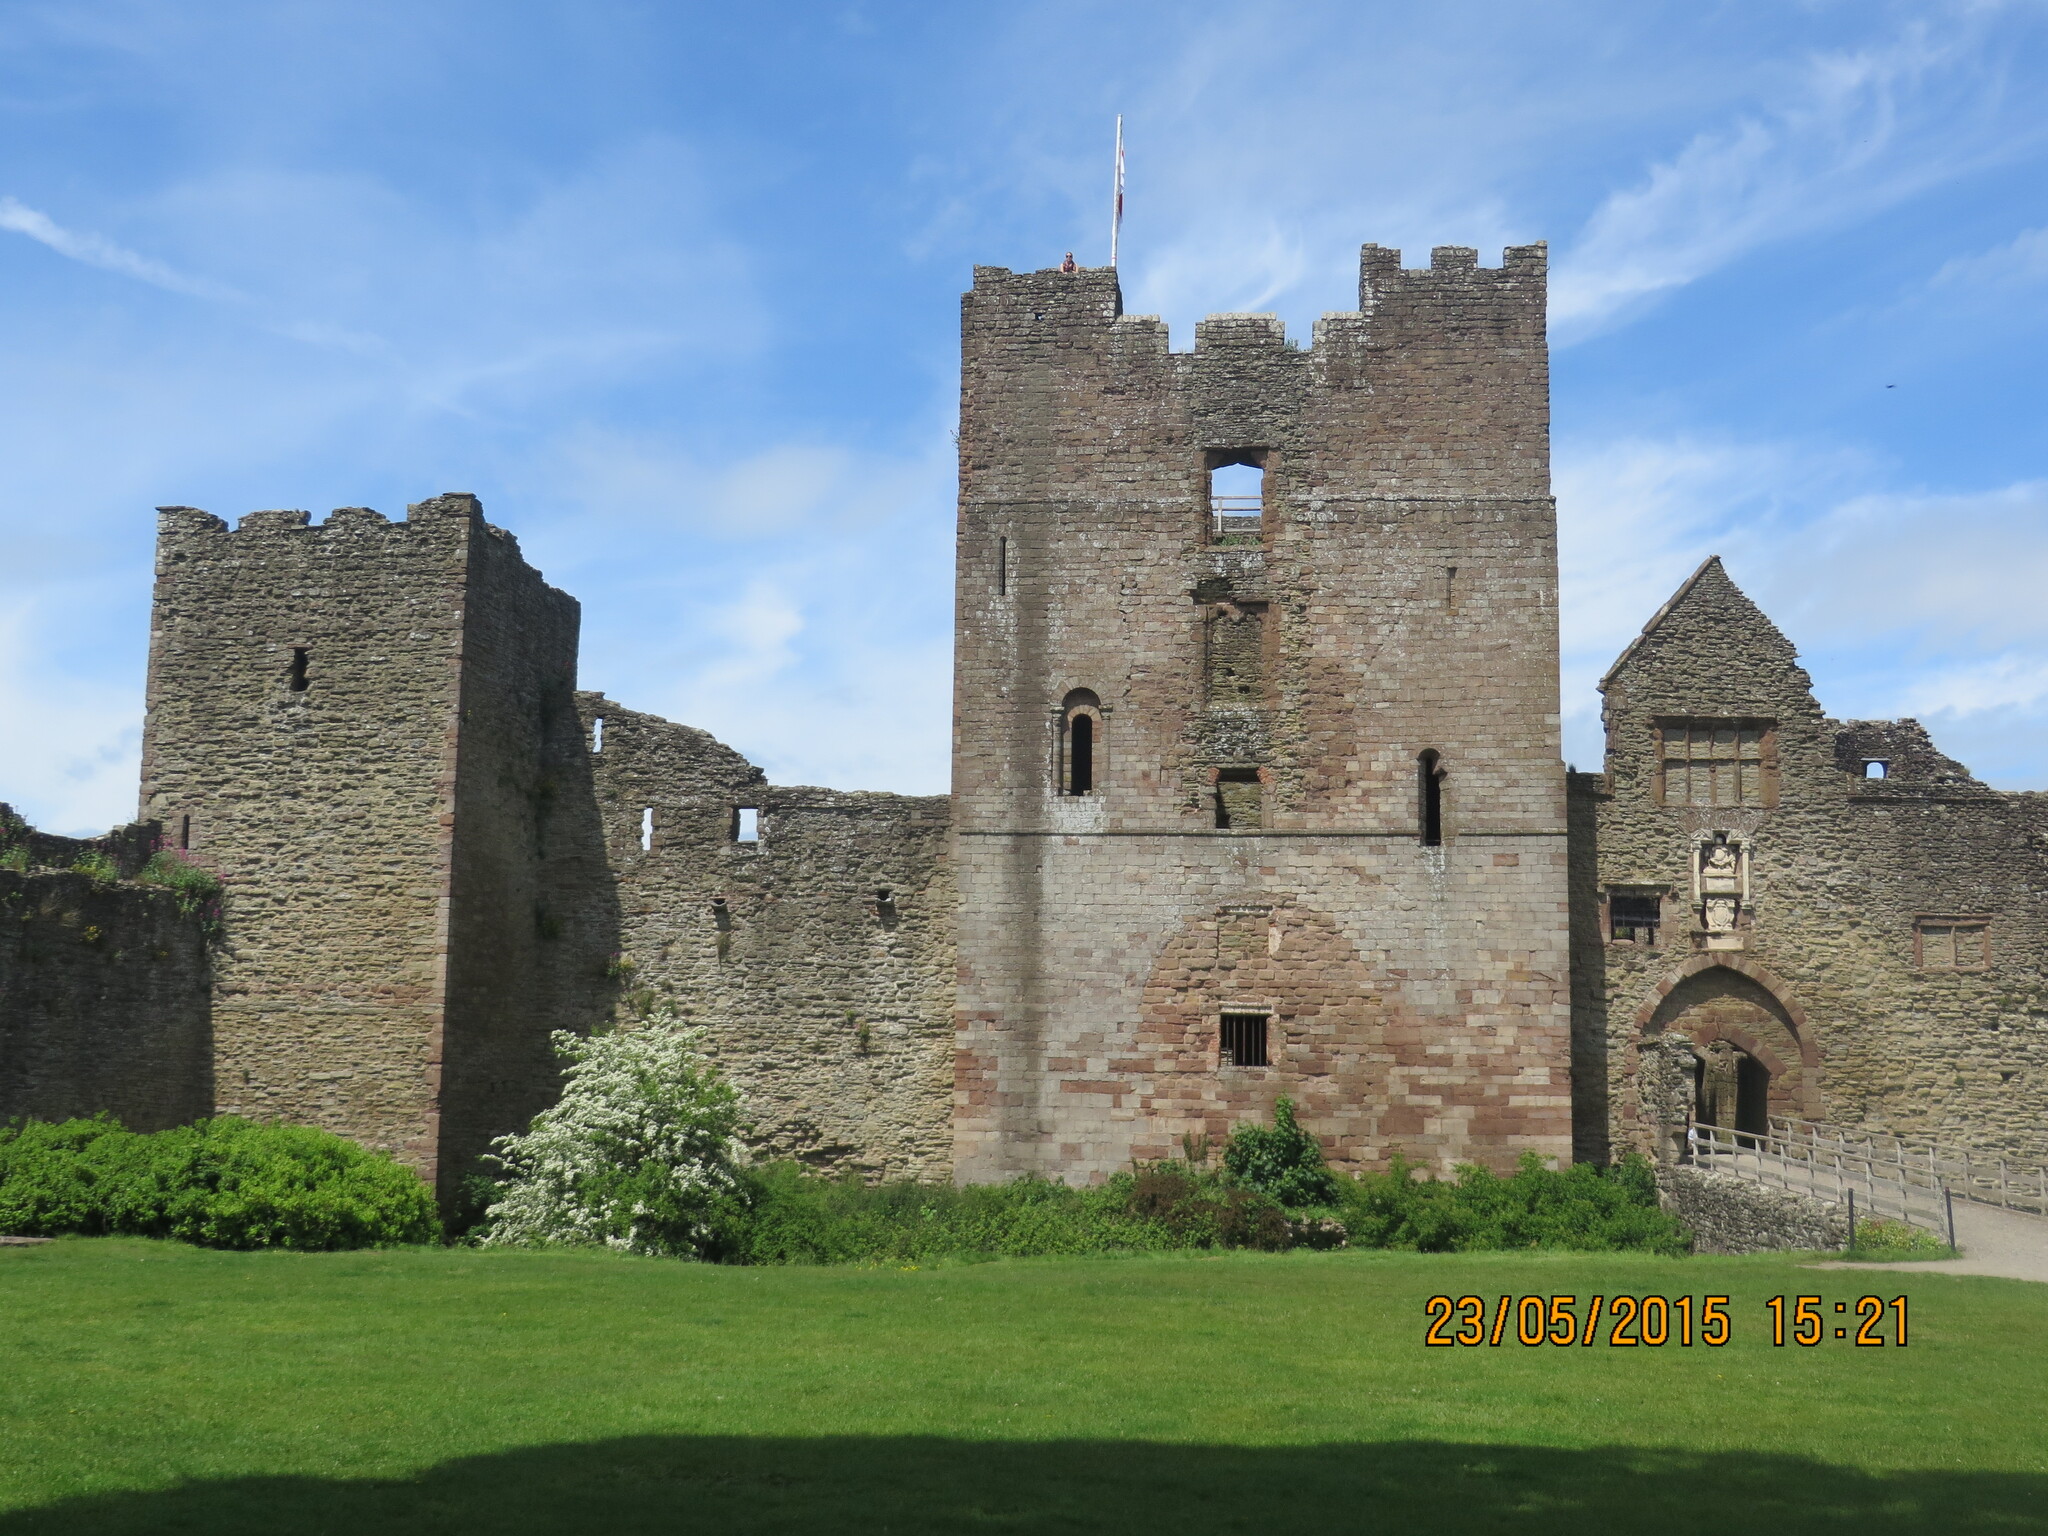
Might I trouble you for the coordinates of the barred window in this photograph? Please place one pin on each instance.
(1718, 762)
(1633, 916)
(1244, 1040)
(1952, 943)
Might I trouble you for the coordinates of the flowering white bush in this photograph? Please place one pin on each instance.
(641, 1153)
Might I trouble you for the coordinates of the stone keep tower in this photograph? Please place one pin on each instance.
(368, 730)
(1264, 799)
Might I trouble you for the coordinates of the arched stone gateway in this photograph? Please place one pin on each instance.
(1255, 979)
(1749, 1051)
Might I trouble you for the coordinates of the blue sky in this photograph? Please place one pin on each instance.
(674, 289)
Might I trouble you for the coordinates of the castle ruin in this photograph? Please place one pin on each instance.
(1251, 798)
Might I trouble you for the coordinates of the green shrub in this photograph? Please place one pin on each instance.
(1283, 1161)
(15, 858)
(1881, 1238)
(1581, 1207)
(96, 866)
(794, 1215)
(222, 1183)
(196, 889)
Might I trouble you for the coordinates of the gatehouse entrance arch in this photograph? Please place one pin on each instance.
(1753, 1054)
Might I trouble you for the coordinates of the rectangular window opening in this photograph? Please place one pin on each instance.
(297, 674)
(1243, 1042)
(647, 830)
(1713, 763)
(597, 734)
(1237, 496)
(746, 824)
(1002, 567)
(184, 831)
(1633, 916)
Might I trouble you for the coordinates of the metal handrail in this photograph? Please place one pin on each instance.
(1239, 515)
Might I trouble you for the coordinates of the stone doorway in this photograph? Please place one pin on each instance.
(1731, 1089)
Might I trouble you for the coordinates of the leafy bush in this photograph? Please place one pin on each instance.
(641, 1153)
(222, 1183)
(1581, 1207)
(1283, 1161)
(15, 858)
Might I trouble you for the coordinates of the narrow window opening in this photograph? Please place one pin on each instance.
(1002, 567)
(1451, 588)
(1080, 743)
(1243, 1040)
(1237, 499)
(746, 824)
(597, 734)
(184, 831)
(1877, 770)
(1429, 769)
(1081, 755)
(647, 830)
(297, 674)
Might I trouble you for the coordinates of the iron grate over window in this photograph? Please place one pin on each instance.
(1244, 1040)
(1634, 918)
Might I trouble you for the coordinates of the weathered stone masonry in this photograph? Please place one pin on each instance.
(1819, 988)
(1396, 597)
(1280, 783)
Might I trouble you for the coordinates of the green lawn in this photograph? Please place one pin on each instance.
(151, 1388)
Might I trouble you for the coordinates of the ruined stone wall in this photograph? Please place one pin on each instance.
(350, 725)
(1398, 597)
(103, 985)
(1823, 976)
(819, 957)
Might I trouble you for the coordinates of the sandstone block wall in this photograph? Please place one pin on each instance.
(1823, 977)
(1398, 596)
(103, 986)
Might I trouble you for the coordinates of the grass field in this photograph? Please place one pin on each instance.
(151, 1388)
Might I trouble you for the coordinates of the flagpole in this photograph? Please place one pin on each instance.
(1116, 212)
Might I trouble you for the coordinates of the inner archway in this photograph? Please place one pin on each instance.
(1751, 1062)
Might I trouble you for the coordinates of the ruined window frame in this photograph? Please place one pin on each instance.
(1216, 531)
(1952, 927)
(1660, 894)
(1667, 727)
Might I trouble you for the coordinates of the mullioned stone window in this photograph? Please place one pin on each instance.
(1952, 943)
(1717, 762)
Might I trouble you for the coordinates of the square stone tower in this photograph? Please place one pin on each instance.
(1259, 796)
(368, 730)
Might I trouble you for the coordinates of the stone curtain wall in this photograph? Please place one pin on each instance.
(1821, 977)
(829, 1002)
(381, 853)
(103, 987)
(1401, 597)
(1731, 1214)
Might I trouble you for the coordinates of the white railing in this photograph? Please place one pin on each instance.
(1981, 1176)
(1827, 1168)
(1236, 516)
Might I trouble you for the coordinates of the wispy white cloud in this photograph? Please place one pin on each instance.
(1860, 130)
(96, 251)
(2020, 262)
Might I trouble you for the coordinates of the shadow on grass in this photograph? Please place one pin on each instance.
(677, 1484)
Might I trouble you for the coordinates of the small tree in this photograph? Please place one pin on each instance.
(1283, 1161)
(641, 1153)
